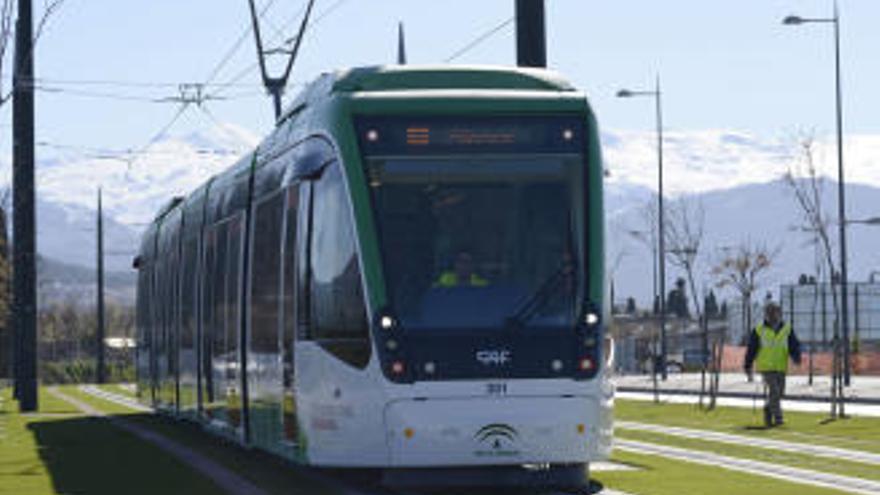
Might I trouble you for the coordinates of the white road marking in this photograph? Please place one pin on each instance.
(759, 468)
(812, 449)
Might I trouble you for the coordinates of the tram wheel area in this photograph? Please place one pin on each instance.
(514, 480)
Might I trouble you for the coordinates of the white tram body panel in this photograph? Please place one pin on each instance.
(433, 424)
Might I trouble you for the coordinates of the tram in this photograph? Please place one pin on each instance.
(407, 274)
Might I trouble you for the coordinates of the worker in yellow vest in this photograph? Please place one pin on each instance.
(771, 344)
(462, 274)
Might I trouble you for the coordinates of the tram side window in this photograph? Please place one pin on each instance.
(338, 315)
(206, 314)
(265, 303)
(143, 349)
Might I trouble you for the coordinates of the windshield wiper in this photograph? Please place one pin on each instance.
(539, 298)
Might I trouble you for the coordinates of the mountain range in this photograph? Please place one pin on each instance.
(733, 176)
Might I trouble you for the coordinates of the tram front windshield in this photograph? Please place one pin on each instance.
(481, 241)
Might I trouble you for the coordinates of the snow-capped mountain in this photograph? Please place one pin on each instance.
(765, 213)
(135, 185)
(735, 175)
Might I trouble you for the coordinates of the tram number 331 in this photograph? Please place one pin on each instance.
(496, 389)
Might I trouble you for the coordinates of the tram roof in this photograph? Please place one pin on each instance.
(438, 77)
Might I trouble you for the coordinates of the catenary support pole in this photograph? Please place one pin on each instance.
(531, 39)
(24, 231)
(99, 334)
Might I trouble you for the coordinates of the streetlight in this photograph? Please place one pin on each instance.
(661, 249)
(865, 221)
(794, 20)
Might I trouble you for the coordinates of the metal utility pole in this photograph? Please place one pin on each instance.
(401, 45)
(531, 38)
(276, 85)
(841, 201)
(99, 333)
(24, 231)
(661, 232)
(794, 20)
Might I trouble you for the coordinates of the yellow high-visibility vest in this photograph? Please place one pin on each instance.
(773, 353)
(450, 279)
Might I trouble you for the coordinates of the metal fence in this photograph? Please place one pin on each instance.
(811, 310)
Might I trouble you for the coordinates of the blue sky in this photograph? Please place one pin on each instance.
(724, 64)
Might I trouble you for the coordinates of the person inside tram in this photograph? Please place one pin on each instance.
(462, 274)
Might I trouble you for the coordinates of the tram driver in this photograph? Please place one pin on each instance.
(462, 274)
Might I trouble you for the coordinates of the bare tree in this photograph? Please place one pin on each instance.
(647, 235)
(741, 269)
(805, 183)
(684, 236)
(7, 35)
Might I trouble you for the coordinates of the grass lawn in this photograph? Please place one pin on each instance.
(76, 454)
(657, 476)
(824, 464)
(853, 433)
(267, 472)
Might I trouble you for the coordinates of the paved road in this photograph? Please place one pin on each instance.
(788, 405)
(863, 387)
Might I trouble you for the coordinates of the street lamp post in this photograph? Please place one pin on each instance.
(793, 20)
(661, 245)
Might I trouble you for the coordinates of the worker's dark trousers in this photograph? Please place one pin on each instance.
(774, 386)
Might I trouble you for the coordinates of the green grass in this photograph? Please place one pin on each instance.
(76, 454)
(824, 464)
(262, 469)
(854, 433)
(49, 404)
(657, 476)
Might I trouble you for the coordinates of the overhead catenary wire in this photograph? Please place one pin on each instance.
(237, 45)
(250, 68)
(122, 83)
(479, 40)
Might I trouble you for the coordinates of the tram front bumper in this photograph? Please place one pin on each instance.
(481, 431)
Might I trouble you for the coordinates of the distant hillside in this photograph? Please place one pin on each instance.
(760, 212)
(64, 282)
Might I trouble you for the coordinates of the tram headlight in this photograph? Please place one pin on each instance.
(592, 318)
(386, 322)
